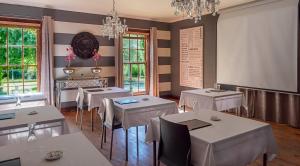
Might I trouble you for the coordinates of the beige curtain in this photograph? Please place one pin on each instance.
(272, 106)
(118, 62)
(47, 78)
(154, 79)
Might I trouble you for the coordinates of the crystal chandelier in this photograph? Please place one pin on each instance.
(112, 25)
(195, 8)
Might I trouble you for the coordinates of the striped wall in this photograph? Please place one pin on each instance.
(69, 23)
(164, 62)
(64, 32)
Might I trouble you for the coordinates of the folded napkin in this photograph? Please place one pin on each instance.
(11, 162)
(126, 101)
(7, 116)
(95, 90)
(7, 97)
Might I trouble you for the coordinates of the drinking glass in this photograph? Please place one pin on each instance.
(31, 132)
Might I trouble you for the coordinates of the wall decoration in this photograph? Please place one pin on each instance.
(69, 58)
(191, 57)
(84, 45)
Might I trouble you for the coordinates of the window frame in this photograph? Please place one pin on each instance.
(23, 24)
(146, 57)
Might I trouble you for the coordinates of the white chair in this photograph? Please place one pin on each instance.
(80, 106)
(109, 121)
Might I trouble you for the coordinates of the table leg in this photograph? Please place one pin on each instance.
(183, 108)
(126, 144)
(92, 119)
(265, 160)
(154, 153)
(62, 127)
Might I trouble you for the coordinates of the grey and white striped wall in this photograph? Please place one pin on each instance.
(69, 23)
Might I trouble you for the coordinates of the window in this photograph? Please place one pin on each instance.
(135, 65)
(19, 53)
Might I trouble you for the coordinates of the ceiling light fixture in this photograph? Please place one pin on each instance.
(195, 8)
(112, 25)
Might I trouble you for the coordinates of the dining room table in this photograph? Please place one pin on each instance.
(18, 118)
(229, 140)
(137, 111)
(75, 150)
(211, 99)
(93, 98)
(22, 101)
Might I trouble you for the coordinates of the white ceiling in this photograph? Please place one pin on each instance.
(158, 10)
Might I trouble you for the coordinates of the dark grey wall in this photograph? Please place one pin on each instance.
(210, 51)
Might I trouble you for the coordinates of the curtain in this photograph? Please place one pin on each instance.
(118, 62)
(154, 79)
(272, 106)
(47, 78)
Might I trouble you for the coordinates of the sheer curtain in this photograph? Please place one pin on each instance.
(118, 62)
(47, 78)
(154, 79)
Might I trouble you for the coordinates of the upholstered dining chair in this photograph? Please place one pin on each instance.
(175, 144)
(109, 121)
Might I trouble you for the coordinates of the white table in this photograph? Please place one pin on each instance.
(77, 151)
(207, 99)
(46, 115)
(232, 141)
(27, 100)
(94, 97)
(139, 114)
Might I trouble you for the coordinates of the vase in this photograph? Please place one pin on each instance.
(69, 71)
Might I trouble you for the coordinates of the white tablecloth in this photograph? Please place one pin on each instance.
(77, 151)
(45, 114)
(138, 114)
(23, 97)
(94, 99)
(233, 141)
(205, 99)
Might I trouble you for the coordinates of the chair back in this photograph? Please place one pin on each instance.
(175, 144)
(79, 98)
(109, 112)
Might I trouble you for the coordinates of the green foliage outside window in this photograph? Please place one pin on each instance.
(134, 62)
(18, 60)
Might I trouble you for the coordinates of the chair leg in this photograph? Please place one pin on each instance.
(111, 143)
(77, 115)
(81, 116)
(137, 140)
(102, 135)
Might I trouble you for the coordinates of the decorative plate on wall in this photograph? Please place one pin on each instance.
(84, 44)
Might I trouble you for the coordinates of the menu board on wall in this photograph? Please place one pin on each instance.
(191, 57)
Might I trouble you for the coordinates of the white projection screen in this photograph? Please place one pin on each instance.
(257, 45)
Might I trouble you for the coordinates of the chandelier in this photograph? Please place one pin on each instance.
(195, 8)
(112, 25)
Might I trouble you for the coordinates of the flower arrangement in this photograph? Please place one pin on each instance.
(70, 56)
(96, 57)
